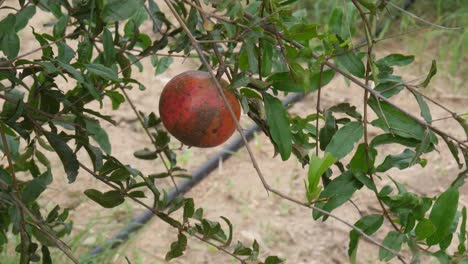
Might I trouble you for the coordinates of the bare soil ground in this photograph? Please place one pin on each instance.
(235, 191)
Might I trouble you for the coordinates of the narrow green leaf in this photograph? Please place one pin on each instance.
(189, 209)
(267, 58)
(443, 214)
(346, 108)
(400, 161)
(396, 60)
(302, 32)
(278, 124)
(425, 111)
(431, 74)
(103, 71)
(344, 139)
(99, 135)
(66, 155)
(317, 167)
(462, 235)
(108, 199)
(108, 45)
(60, 27)
(251, 50)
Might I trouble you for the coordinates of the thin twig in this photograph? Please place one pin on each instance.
(370, 45)
(421, 19)
(142, 123)
(319, 93)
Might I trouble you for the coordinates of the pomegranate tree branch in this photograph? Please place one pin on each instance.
(220, 89)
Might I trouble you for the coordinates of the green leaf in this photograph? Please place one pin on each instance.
(282, 81)
(278, 124)
(35, 187)
(337, 192)
(393, 240)
(65, 53)
(351, 63)
(10, 45)
(425, 111)
(328, 130)
(240, 80)
(116, 10)
(161, 64)
(369, 224)
(302, 32)
(125, 65)
(346, 108)
(344, 139)
(359, 162)
(177, 248)
(116, 98)
(229, 238)
(99, 135)
(424, 229)
(66, 155)
(137, 194)
(60, 27)
(103, 71)
(251, 52)
(384, 139)
(23, 16)
(242, 250)
(108, 45)
(431, 74)
(462, 236)
(400, 124)
(396, 60)
(443, 214)
(46, 258)
(327, 76)
(400, 161)
(370, 6)
(273, 260)
(267, 58)
(317, 167)
(189, 209)
(108, 199)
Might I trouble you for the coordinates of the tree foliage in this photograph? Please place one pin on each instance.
(265, 49)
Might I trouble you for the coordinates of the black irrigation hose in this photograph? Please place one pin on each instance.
(186, 185)
(201, 173)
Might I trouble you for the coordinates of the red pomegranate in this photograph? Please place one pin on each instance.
(194, 112)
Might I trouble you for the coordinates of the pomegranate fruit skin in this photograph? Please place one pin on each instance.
(193, 111)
